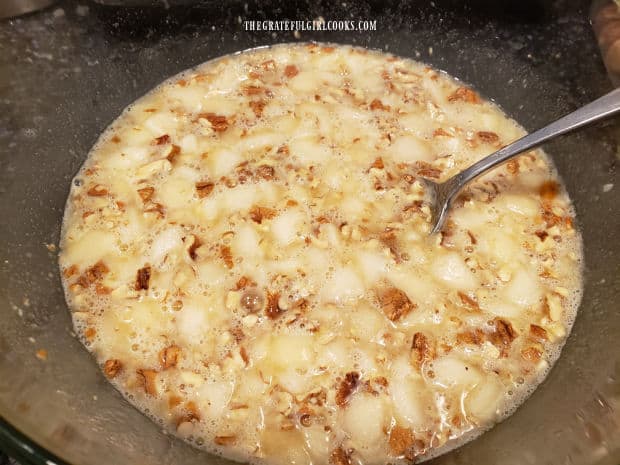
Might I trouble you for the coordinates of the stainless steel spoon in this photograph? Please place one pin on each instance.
(444, 193)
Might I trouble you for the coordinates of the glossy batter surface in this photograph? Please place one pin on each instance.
(246, 254)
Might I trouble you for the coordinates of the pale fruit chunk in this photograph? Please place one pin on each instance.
(524, 288)
(285, 447)
(239, 198)
(291, 351)
(246, 242)
(214, 396)
(164, 243)
(344, 286)
(317, 441)
(192, 320)
(409, 149)
(526, 206)
(364, 418)
(309, 151)
(451, 269)
(482, 402)
(412, 405)
(503, 309)
(89, 247)
(286, 226)
(372, 264)
(223, 161)
(161, 123)
(335, 354)
(366, 322)
(451, 371)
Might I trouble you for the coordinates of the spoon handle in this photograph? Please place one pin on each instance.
(607, 105)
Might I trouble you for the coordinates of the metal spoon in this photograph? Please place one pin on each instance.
(444, 193)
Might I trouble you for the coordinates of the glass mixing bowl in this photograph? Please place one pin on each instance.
(68, 71)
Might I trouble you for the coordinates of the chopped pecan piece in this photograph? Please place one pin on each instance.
(440, 132)
(422, 350)
(226, 255)
(268, 65)
(97, 191)
(112, 367)
(204, 188)
(513, 166)
(174, 151)
(531, 354)
(225, 440)
(468, 301)
(400, 441)
(377, 104)
(395, 303)
(148, 381)
(548, 190)
(93, 274)
(258, 107)
(339, 457)
(219, 123)
(196, 243)
(502, 336)
(169, 356)
(465, 95)
(538, 333)
(273, 310)
(378, 163)
(161, 140)
(291, 71)
(258, 214)
(266, 172)
(475, 337)
(146, 193)
(426, 170)
(254, 90)
(143, 276)
(283, 150)
(487, 137)
(244, 282)
(346, 387)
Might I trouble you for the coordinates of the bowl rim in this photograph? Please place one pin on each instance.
(25, 449)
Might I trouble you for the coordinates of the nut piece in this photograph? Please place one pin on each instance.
(226, 255)
(147, 379)
(112, 367)
(219, 123)
(225, 440)
(421, 349)
(532, 354)
(395, 303)
(204, 188)
(169, 356)
(146, 193)
(291, 71)
(143, 277)
(401, 441)
(464, 95)
(340, 457)
(487, 137)
(347, 385)
(258, 214)
(538, 333)
(273, 310)
(503, 336)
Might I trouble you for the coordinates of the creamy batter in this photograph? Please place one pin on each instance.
(246, 252)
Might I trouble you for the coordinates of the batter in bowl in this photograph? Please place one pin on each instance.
(246, 252)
